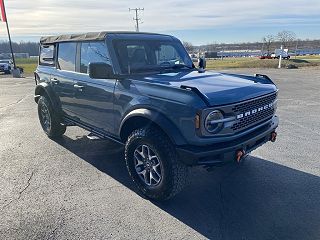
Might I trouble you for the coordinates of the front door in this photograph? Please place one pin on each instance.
(94, 97)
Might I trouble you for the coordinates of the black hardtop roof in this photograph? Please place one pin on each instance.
(87, 36)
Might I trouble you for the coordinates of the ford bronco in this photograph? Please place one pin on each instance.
(143, 91)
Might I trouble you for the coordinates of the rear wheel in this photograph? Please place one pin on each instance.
(49, 120)
(153, 164)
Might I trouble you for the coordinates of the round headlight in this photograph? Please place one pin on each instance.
(211, 123)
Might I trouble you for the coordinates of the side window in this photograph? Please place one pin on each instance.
(46, 55)
(93, 52)
(67, 56)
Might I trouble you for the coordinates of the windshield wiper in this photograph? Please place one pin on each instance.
(181, 66)
(177, 66)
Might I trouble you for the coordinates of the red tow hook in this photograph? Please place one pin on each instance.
(273, 137)
(239, 155)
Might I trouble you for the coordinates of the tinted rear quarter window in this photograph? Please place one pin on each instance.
(67, 56)
(46, 55)
(93, 52)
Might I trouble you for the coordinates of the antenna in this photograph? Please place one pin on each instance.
(136, 19)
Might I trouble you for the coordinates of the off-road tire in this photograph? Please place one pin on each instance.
(56, 129)
(174, 172)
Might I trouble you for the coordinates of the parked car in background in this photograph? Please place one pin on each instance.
(280, 52)
(6, 66)
(265, 56)
(194, 57)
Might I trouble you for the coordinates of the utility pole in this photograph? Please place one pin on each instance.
(295, 55)
(280, 57)
(222, 53)
(137, 19)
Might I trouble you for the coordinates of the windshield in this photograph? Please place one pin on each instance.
(4, 61)
(141, 56)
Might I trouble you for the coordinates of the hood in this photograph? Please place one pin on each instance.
(216, 88)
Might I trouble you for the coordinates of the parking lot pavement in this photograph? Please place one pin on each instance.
(76, 188)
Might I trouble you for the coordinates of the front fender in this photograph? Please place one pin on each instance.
(159, 119)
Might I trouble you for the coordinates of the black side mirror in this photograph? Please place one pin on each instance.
(202, 63)
(100, 70)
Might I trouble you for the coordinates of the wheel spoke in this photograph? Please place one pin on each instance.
(154, 177)
(138, 156)
(147, 178)
(140, 152)
(153, 157)
(145, 151)
(151, 176)
(154, 168)
(140, 170)
(143, 174)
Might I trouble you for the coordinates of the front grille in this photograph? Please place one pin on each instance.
(242, 108)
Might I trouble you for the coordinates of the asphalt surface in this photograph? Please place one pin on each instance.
(79, 189)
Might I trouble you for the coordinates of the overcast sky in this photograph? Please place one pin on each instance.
(201, 22)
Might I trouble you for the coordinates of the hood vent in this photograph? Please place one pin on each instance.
(196, 91)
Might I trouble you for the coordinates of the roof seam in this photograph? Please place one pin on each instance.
(85, 36)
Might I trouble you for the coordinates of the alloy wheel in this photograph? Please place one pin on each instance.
(147, 165)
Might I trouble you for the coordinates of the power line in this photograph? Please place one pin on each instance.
(137, 19)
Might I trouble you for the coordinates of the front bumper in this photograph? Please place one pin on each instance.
(224, 152)
(2, 69)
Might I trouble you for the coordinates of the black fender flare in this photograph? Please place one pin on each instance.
(44, 88)
(160, 120)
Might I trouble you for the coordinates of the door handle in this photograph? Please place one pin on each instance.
(79, 87)
(55, 80)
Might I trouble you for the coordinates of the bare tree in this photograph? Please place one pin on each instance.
(267, 41)
(286, 38)
(188, 46)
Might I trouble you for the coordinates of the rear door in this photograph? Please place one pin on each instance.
(94, 97)
(63, 79)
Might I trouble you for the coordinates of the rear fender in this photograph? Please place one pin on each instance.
(44, 89)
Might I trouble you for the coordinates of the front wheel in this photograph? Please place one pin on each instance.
(49, 120)
(153, 164)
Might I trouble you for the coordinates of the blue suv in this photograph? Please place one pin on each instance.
(143, 91)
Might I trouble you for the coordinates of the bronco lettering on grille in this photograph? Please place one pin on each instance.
(254, 111)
